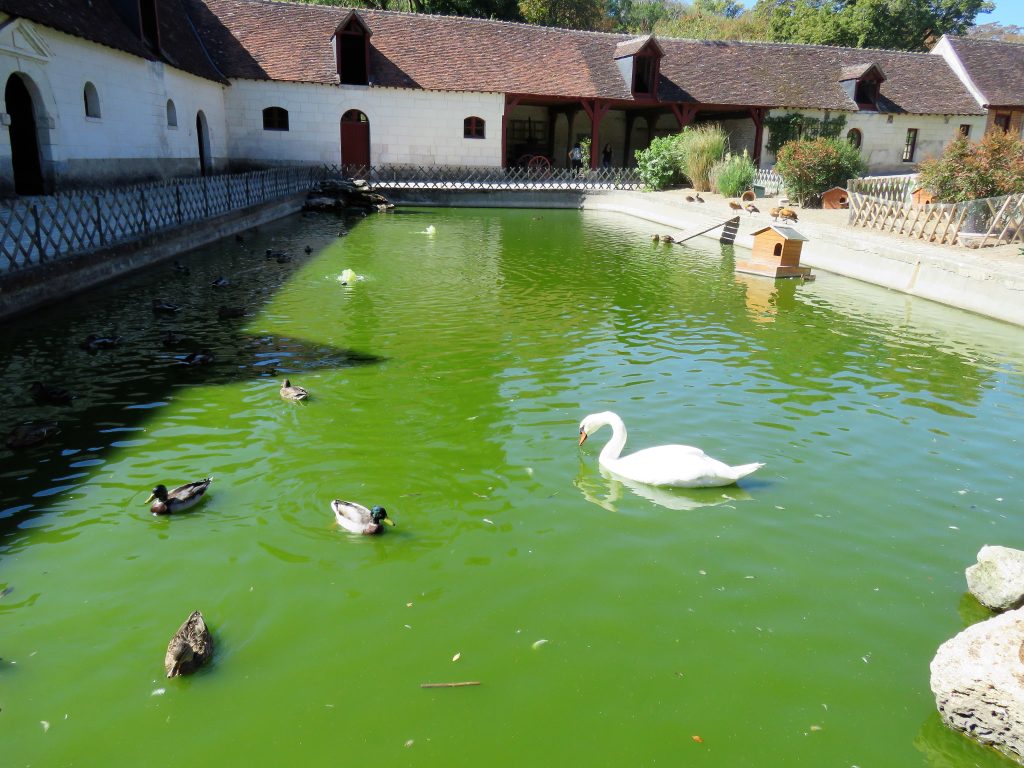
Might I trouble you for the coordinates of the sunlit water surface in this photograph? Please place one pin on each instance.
(789, 621)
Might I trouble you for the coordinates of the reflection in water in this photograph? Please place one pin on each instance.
(765, 296)
(605, 490)
(943, 747)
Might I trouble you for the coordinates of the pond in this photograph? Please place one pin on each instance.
(786, 621)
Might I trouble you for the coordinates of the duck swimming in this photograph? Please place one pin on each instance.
(181, 498)
(290, 392)
(190, 648)
(679, 466)
(355, 518)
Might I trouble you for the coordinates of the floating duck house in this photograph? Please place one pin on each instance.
(776, 253)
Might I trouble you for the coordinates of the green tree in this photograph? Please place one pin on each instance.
(571, 14)
(697, 24)
(640, 16)
(911, 25)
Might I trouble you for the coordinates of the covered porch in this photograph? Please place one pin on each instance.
(539, 131)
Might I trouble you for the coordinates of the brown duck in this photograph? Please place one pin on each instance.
(190, 648)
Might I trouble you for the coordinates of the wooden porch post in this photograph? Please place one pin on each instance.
(510, 103)
(757, 114)
(630, 120)
(596, 110)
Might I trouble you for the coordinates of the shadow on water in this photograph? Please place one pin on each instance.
(218, 291)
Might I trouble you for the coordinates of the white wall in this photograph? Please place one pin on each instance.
(884, 136)
(406, 126)
(131, 138)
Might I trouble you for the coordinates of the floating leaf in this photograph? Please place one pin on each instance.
(698, 739)
(457, 656)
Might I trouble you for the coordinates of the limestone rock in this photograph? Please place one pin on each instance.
(338, 194)
(997, 579)
(978, 682)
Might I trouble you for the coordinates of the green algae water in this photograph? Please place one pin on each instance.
(788, 621)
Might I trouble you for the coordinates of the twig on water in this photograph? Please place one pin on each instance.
(450, 685)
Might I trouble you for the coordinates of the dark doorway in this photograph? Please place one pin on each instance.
(28, 170)
(203, 137)
(355, 140)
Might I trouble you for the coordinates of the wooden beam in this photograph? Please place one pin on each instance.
(757, 114)
(511, 102)
(684, 113)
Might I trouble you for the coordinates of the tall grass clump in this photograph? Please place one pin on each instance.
(733, 175)
(703, 146)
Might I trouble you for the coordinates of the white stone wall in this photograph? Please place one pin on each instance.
(406, 126)
(131, 138)
(884, 136)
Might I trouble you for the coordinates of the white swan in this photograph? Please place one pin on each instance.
(679, 466)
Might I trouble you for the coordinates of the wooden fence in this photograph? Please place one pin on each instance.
(37, 230)
(975, 223)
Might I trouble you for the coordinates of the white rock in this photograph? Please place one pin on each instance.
(977, 681)
(997, 580)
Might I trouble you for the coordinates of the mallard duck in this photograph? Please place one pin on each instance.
(178, 500)
(229, 313)
(355, 518)
(179, 267)
(667, 239)
(289, 392)
(48, 394)
(697, 197)
(94, 342)
(655, 238)
(678, 466)
(220, 282)
(691, 199)
(283, 258)
(308, 249)
(190, 648)
(172, 340)
(28, 435)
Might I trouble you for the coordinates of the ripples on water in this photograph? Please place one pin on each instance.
(448, 385)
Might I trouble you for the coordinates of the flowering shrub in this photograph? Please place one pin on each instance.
(661, 164)
(810, 167)
(970, 170)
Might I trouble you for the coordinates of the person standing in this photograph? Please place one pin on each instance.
(576, 156)
(606, 156)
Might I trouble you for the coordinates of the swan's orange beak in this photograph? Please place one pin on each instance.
(583, 437)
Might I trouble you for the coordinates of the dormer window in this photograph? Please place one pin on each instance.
(863, 84)
(149, 25)
(639, 61)
(352, 50)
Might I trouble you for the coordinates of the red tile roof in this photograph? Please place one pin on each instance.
(996, 67)
(98, 22)
(258, 39)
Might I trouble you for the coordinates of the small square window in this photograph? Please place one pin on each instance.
(1002, 122)
(965, 130)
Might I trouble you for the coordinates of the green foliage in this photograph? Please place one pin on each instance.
(734, 174)
(971, 170)
(585, 147)
(697, 24)
(702, 147)
(910, 25)
(570, 14)
(661, 164)
(639, 16)
(812, 166)
(783, 129)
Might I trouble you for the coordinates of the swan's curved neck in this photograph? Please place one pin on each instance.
(617, 442)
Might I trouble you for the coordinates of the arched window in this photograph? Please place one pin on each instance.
(855, 137)
(275, 119)
(172, 115)
(92, 101)
(473, 128)
(777, 250)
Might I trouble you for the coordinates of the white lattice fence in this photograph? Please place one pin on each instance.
(895, 189)
(36, 230)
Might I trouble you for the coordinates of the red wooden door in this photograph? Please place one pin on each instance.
(355, 140)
